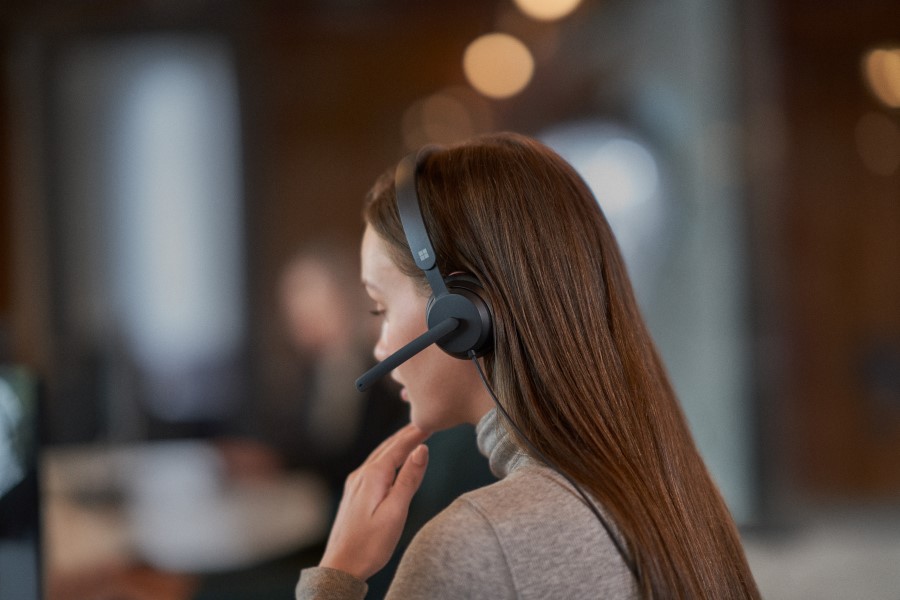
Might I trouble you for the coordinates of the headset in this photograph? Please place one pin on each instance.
(457, 315)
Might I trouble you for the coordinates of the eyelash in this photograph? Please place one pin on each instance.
(377, 312)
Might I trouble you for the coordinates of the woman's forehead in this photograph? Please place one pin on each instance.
(377, 268)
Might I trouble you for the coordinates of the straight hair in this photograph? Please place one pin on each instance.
(573, 362)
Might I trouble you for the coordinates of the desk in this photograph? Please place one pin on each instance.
(158, 516)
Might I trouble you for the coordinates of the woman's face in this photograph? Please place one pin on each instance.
(442, 391)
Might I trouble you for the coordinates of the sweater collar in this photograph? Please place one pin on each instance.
(494, 442)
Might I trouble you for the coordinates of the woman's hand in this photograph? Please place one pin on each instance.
(373, 508)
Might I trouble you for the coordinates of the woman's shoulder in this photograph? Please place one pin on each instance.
(459, 553)
(524, 536)
(532, 496)
(455, 555)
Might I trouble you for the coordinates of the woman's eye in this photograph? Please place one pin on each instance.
(378, 312)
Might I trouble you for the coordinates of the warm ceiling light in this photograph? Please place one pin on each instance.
(882, 69)
(547, 10)
(498, 65)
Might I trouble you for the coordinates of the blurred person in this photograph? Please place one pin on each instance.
(602, 492)
(324, 424)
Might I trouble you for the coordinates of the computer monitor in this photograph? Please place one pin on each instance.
(20, 531)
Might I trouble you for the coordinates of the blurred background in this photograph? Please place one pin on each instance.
(180, 321)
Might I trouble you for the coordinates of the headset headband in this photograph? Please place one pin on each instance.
(405, 184)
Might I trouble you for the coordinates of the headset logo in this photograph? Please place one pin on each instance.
(423, 254)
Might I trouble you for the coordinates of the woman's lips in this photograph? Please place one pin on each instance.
(404, 395)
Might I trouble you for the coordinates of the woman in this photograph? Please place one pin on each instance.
(574, 367)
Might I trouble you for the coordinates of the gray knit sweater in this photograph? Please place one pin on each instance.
(527, 536)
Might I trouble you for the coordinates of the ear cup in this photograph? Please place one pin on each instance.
(464, 302)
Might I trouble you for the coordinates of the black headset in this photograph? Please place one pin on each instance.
(457, 315)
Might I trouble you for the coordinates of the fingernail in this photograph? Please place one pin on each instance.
(420, 455)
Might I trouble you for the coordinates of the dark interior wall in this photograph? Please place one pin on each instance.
(6, 232)
(841, 253)
(6, 202)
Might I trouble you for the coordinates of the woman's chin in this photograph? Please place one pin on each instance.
(424, 425)
(427, 423)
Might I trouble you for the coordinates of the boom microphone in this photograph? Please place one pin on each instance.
(405, 353)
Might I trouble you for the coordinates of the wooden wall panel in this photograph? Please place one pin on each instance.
(842, 255)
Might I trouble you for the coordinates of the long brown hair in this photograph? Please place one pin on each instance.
(573, 362)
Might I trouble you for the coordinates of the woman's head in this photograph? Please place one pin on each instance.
(442, 391)
(573, 362)
(516, 216)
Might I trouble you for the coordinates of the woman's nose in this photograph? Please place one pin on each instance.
(380, 350)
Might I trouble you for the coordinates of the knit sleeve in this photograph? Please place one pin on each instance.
(455, 555)
(322, 583)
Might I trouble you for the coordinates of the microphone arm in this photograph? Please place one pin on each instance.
(405, 353)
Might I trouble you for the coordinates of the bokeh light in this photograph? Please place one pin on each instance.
(450, 115)
(547, 10)
(498, 65)
(625, 176)
(882, 71)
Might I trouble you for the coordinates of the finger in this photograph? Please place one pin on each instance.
(396, 448)
(394, 455)
(373, 480)
(408, 479)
